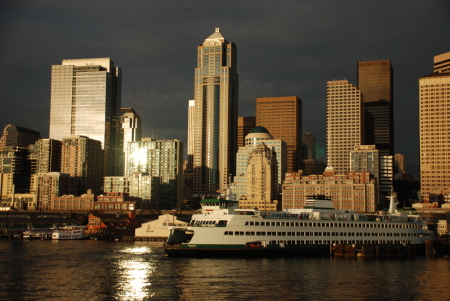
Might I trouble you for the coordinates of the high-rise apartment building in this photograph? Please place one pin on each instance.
(45, 156)
(161, 159)
(82, 158)
(344, 119)
(14, 171)
(130, 131)
(86, 100)
(282, 116)
(375, 83)
(245, 125)
(216, 107)
(18, 136)
(434, 94)
(442, 62)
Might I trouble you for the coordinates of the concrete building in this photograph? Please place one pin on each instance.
(375, 82)
(434, 133)
(399, 163)
(352, 191)
(86, 100)
(367, 158)
(159, 229)
(84, 202)
(117, 201)
(18, 136)
(442, 62)
(245, 125)
(273, 153)
(309, 146)
(138, 184)
(82, 158)
(45, 156)
(14, 171)
(344, 123)
(161, 159)
(48, 186)
(191, 135)
(130, 131)
(282, 116)
(216, 107)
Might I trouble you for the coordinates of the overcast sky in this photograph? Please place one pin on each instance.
(284, 48)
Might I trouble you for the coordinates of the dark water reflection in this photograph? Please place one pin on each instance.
(105, 270)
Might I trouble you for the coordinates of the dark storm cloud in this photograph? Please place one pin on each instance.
(284, 48)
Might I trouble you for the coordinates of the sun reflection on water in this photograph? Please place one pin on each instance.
(135, 272)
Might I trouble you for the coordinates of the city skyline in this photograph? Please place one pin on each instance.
(298, 55)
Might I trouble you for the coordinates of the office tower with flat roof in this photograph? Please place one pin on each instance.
(375, 83)
(245, 125)
(216, 107)
(130, 131)
(86, 100)
(282, 117)
(434, 91)
(45, 156)
(344, 117)
(14, 171)
(399, 163)
(309, 146)
(442, 62)
(82, 157)
(14, 135)
(161, 159)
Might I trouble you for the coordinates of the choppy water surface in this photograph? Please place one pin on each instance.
(106, 270)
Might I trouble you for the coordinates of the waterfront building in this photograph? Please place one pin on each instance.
(442, 62)
(117, 201)
(344, 123)
(82, 158)
(158, 229)
(434, 133)
(130, 131)
(161, 159)
(137, 184)
(282, 116)
(49, 185)
(216, 107)
(375, 82)
(86, 100)
(271, 155)
(352, 191)
(245, 125)
(14, 135)
(84, 202)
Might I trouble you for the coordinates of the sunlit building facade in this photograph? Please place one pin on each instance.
(344, 119)
(282, 116)
(130, 131)
(215, 122)
(86, 100)
(14, 135)
(434, 133)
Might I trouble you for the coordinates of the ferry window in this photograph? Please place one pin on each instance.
(256, 223)
(246, 223)
(278, 224)
(273, 223)
(301, 224)
(247, 233)
(289, 233)
(263, 223)
(252, 223)
(306, 233)
(281, 233)
(299, 233)
(282, 224)
(296, 224)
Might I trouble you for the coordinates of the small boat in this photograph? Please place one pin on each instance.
(69, 233)
(38, 233)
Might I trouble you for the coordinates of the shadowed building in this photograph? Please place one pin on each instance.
(18, 136)
(215, 122)
(375, 83)
(282, 117)
(245, 125)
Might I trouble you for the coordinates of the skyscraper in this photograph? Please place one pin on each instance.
(245, 125)
(130, 131)
(344, 117)
(434, 133)
(18, 136)
(309, 146)
(442, 62)
(216, 106)
(282, 117)
(191, 135)
(86, 100)
(375, 84)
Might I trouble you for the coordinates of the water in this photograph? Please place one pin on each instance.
(109, 270)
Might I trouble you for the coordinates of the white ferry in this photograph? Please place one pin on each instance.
(223, 229)
(69, 233)
(38, 233)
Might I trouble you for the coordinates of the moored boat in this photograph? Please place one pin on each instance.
(224, 229)
(69, 233)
